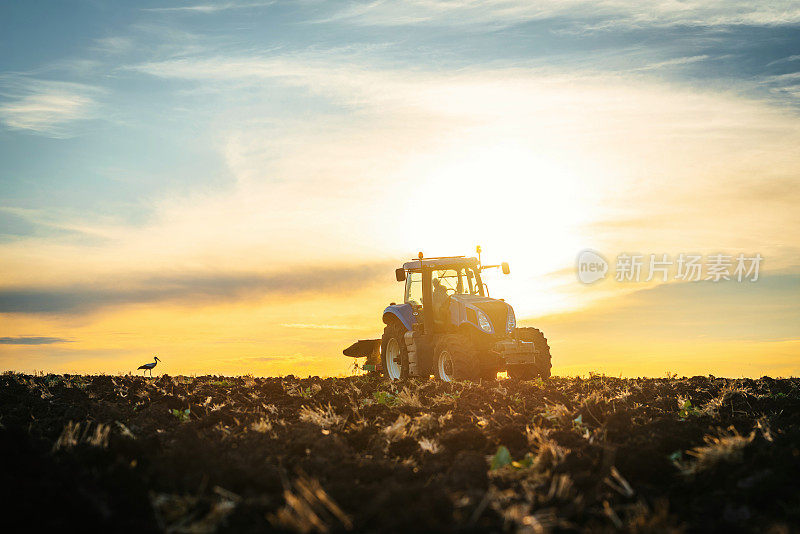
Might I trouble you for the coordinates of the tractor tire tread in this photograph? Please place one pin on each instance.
(466, 365)
(543, 362)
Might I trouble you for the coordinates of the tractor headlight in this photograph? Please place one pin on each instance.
(484, 323)
(511, 322)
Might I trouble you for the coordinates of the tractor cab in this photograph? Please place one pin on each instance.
(439, 291)
(453, 277)
(447, 277)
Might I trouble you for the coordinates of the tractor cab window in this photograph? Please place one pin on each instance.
(471, 282)
(450, 280)
(459, 281)
(414, 289)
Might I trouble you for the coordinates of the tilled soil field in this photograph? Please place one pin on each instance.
(221, 454)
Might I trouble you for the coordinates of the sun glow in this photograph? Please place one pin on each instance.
(521, 204)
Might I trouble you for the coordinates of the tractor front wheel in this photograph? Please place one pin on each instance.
(542, 366)
(455, 359)
(394, 355)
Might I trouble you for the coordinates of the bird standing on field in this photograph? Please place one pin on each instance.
(149, 366)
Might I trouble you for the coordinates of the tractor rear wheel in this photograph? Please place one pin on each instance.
(394, 355)
(455, 359)
(542, 366)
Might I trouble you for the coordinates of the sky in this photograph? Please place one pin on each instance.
(230, 185)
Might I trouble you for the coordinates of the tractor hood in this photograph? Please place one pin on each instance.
(496, 310)
(477, 300)
(473, 299)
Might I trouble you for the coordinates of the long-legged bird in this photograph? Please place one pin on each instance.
(149, 366)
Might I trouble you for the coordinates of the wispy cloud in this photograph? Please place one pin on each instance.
(591, 15)
(259, 66)
(209, 8)
(31, 223)
(675, 62)
(45, 107)
(787, 59)
(188, 288)
(787, 84)
(114, 44)
(32, 340)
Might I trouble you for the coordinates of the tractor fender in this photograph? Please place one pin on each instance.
(402, 312)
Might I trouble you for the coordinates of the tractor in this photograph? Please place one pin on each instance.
(448, 326)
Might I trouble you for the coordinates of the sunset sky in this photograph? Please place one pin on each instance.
(231, 185)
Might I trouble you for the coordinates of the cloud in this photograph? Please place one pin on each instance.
(674, 62)
(114, 44)
(787, 59)
(592, 15)
(786, 85)
(32, 340)
(21, 223)
(299, 66)
(45, 107)
(188, 288)
(209, 8)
